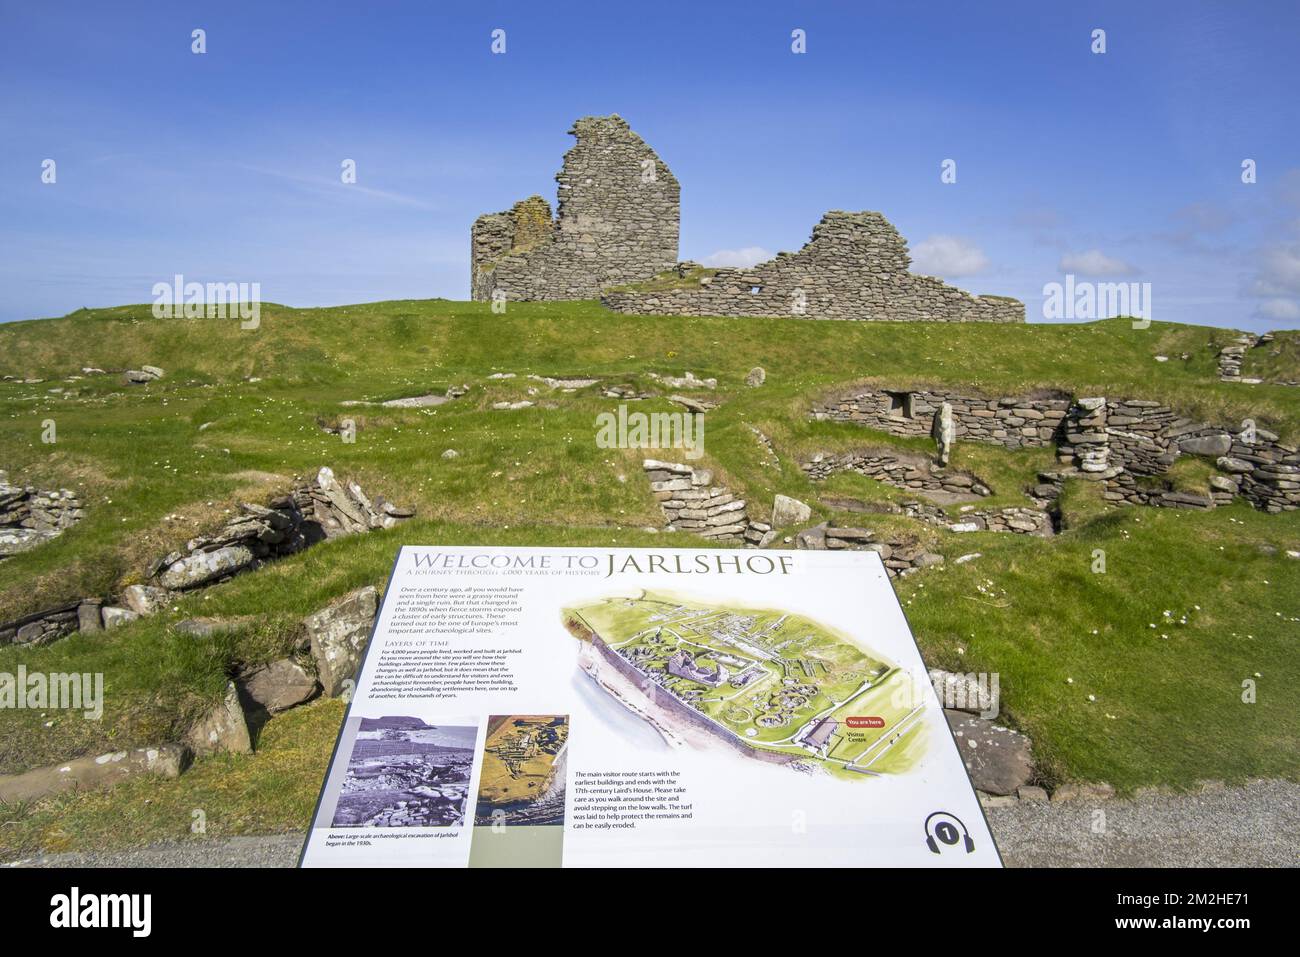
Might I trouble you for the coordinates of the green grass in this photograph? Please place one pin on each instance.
(151, 478)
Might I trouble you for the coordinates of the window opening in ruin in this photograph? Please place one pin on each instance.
(899, 406)
(755, 290)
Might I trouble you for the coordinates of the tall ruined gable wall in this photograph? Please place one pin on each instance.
(618, 221)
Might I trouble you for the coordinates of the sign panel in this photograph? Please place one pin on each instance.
(640, 708)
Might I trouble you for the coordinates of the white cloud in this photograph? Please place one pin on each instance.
(1279, 310)
(738, 258)
(1094, 262)
(1279, 271)
(948, 256)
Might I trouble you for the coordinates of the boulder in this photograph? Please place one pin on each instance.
(338, 635)
(199, 568)
(812, 539)
(789, 511)
(279, 686)
(223, 728)
(104, 770)
(998, 759)
(115, 617)
(145, 599)
(756, 377)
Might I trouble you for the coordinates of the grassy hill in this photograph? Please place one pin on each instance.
(241, 412)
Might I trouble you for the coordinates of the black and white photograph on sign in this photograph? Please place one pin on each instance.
(403, 772)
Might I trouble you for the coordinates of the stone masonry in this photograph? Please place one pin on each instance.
(854, 267)
(617, 222)
(615, 234)
(30, 516)
(1015, 422)
(1118, 441)
(692, 503)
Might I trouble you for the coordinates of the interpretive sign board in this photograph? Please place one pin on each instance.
(633, 707)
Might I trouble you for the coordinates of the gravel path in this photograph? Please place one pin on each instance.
(1257, 825)
(1253, 826)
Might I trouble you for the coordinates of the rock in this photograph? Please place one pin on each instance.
(90, 616)
(944, 432)
(136, 377)
(223, 729)
(995, 800)
(279, 686)
(415, 401)
(146, 599)
(208, 627)
(1076, 791)
(1217, 444)
(756, 377)
(999, 760)
(200, 568)
(789, 511)
(690, 405)
(104, 770)
(450, 454)
(962, 692)
(338, 635)
(1234, 465)
(1032, 794)
(115, 617)
(153, 371)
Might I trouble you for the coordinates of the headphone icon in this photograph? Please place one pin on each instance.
(947, 831)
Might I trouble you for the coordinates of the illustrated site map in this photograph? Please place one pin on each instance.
(769, 685)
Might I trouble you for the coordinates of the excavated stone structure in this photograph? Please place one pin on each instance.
(617, 222)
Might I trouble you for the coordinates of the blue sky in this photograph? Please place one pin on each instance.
(225, 166)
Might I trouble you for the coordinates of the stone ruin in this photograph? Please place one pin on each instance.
(617, 222)
(30, 516)
(616, 237)
(322, 509)
(1128, 444)
(856, 266)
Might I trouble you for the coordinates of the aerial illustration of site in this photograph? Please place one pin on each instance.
(766, 684)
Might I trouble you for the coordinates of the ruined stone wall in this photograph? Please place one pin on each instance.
(854, 267)
(908, 472)
(692, 503)
(1012, 421)
(1118, 441)
(617, 222)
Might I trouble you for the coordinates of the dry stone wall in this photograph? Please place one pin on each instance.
(1012, 421)
(855, 267)
(912, 473)
(692, 503)
(617, 222)
(30, 516)
(1118, 441)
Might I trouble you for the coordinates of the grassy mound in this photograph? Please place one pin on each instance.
(240, 413)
